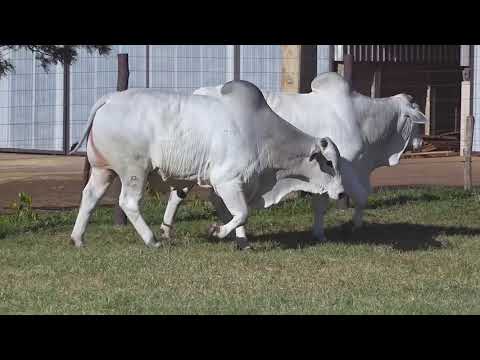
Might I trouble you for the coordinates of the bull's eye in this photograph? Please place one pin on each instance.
(329, 163)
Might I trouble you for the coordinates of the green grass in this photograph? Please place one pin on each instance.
(418, 254)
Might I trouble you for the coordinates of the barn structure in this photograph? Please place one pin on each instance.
(45, 112)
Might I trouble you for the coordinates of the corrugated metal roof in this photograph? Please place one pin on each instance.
(401, 54)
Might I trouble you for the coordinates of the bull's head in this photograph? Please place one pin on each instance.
(326, 160)
(407, 131)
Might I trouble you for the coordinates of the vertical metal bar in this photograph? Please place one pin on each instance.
(34, 91)
(331, 57)
(147, 66)
(66, 108)
(236, 62)
(201, 65)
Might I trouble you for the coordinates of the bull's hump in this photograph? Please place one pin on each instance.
(244, 92)
(330, 82)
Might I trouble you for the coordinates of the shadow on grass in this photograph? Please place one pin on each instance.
(401, 200)
(400, 236)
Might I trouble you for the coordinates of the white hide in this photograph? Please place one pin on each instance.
(369, 133)
(234, 144)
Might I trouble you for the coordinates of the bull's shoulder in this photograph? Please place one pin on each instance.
(244, 93)
(331, 81)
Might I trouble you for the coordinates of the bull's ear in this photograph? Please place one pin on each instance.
(314, 154)
(318, 149)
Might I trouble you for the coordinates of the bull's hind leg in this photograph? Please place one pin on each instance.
(98, 183)
(174, 201)
(225, 216)
(234, 200)
(133, 186)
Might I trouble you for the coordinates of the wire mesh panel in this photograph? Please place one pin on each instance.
(185, 68)
(31, 105)
(323, 58)
(93, 76)
(476, 98)
(262, 65)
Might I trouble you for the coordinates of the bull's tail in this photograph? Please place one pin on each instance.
(102, 101)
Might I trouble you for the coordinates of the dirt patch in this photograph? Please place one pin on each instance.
(55, 182)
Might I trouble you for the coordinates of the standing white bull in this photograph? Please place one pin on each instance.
(369, 133)
(234, 144)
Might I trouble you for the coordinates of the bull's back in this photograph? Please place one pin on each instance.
(319, 114)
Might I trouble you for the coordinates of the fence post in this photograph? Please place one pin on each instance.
(66, 107)
(307, 67)
(236, 62)
(344, 203)
(467, 153)
(122, 84)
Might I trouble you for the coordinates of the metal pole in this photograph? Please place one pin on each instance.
(236, 62)
(147, 65)
(66, 107)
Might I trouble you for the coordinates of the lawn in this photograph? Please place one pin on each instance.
(419, 253)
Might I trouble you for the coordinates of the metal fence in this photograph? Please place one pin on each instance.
(91, 77)
(48, 111)
(31, 105)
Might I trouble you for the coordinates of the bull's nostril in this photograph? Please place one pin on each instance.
(341, 195)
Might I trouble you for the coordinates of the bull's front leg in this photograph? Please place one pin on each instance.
(234, 200)
(222, 211)
(174, 201)
(360, 198)
(320, 206)
(357, 217)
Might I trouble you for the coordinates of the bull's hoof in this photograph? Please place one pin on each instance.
(214, 230)
(77, 243)
(319, 238)
(243, 244)
(165, 236)
(166, 231)
(357, 227)
(154, 244)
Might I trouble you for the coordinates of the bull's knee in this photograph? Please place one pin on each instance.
(129, 207)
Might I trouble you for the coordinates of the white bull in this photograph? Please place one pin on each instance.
(234, 144)
(369, 133)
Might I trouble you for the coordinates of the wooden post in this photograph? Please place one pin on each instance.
(122, 84)
(290, 68)
(348, 75)
(467, 154)
(376, 83)
(465, 104)
(348, 67)
(427, 112)
(308, 67)
(430, 110)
